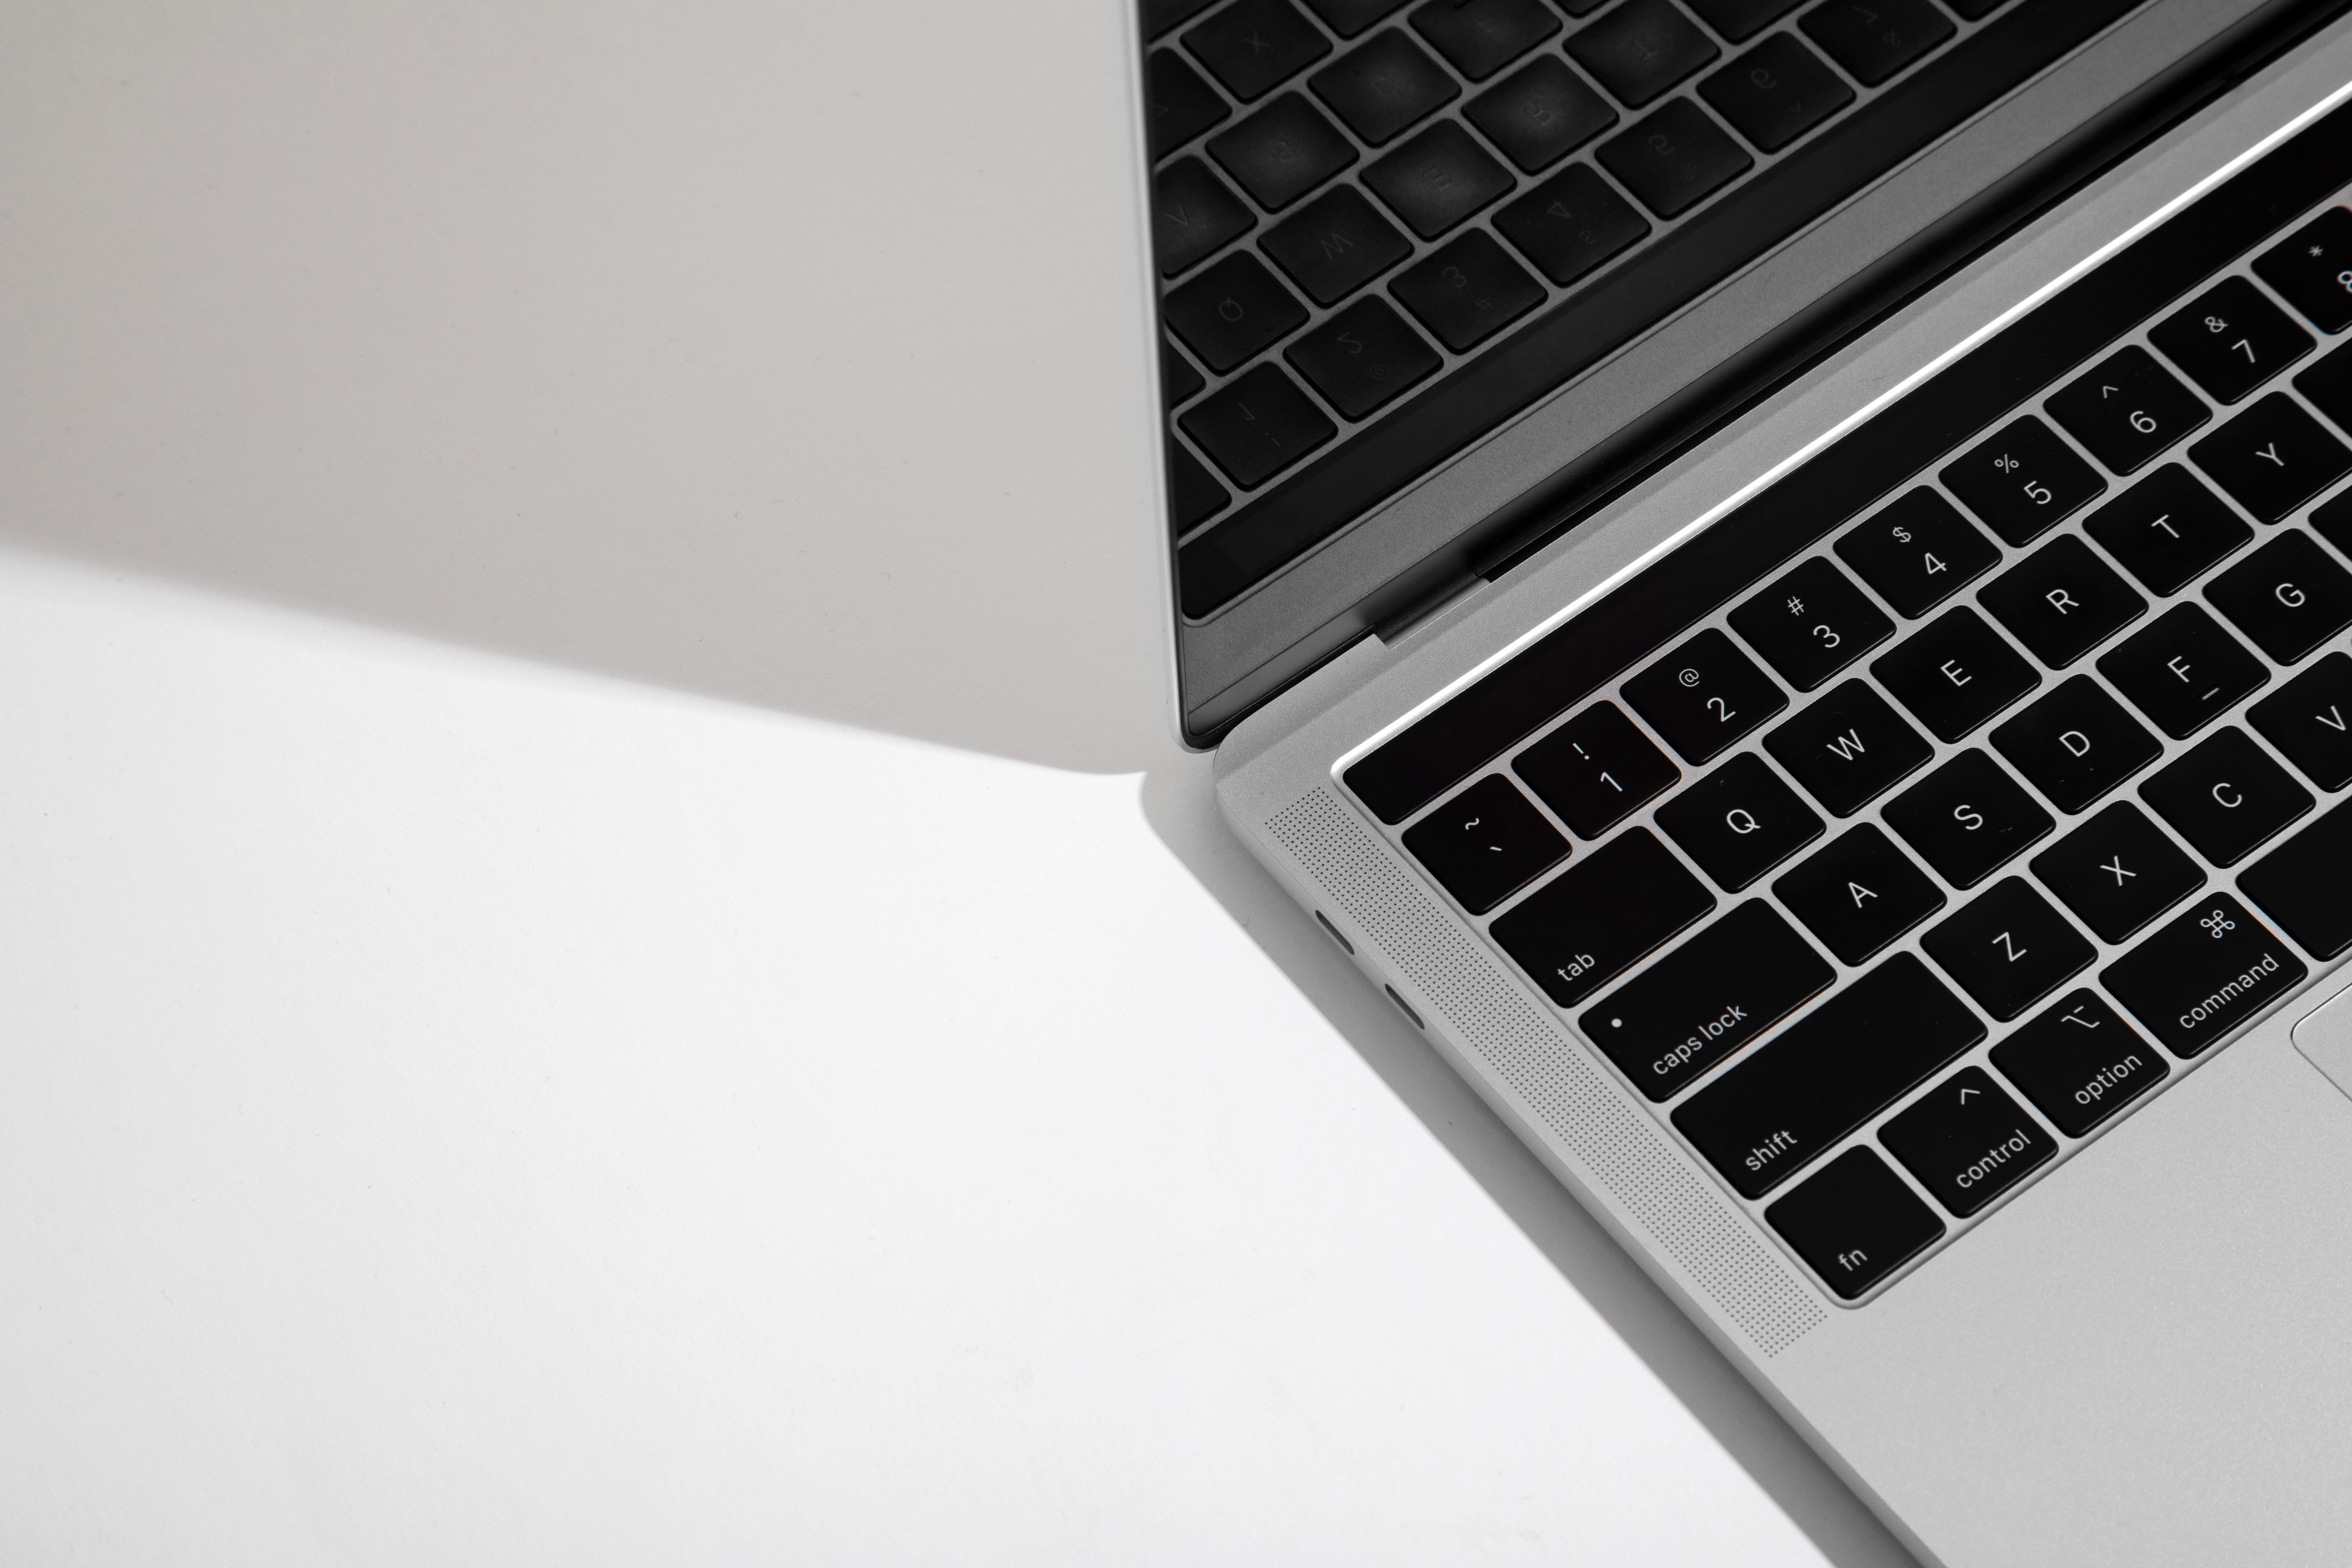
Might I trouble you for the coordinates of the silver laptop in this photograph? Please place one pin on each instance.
(1778, 574)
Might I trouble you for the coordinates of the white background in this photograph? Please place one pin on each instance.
(603, 956)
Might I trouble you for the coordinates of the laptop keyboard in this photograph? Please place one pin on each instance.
(1382, 227)
(1906, 855)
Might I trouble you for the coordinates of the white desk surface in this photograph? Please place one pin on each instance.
(603, 956)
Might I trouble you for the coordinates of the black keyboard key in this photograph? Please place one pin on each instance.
(1848, 748)
(1231, 311)
(2076, 743)
(1601, 916)
(1955, 673)
(2272, 457)
(2301, 884)
(1335, 244)
(2183, 671)
(1855, 1223)
(2009, 949)
(1178, 379)
(1703, 696)
(1256, 425)
(1384, 86)
(2328, 384)
(1194, 496)
(2312, 268)
(1967, 1141)
(1437, 179)
(1740, 19)
(2203, 973)
(1254, 46)
(2129, 409)
(1918, 552)
(1738, 822)
(1192, 215)
(2117, 872)
(2022, 480)
(1858, 1052)
(1676, 158)
(2167, 529)
(1362, 357)
(1859, 894)
(1968, 818)
(1776, 92)
(1875, 38)
(1707, 998)
(2080, 1063)
(2332, 520)
(2287, 597)
(1539, 115)
(1486, 843)
(1571, 224)
(1350, 17)
(1183, 104)
(1468, 291)
(2231, 340)
(2062, 602)
(2225, 796)
(1596, 770)
(1481, 37)
(2310, 719)
(1641, 48)
(1811, 624)
(1282, 152)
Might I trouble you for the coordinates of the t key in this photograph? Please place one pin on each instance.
(1596, 770)
(2167, 529)
(1703, 696)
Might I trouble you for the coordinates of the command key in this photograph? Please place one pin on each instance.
(2203, 973)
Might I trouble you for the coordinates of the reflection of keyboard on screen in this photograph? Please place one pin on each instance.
(2003, 788)
(1382, 231)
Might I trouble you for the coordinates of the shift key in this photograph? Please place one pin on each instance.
(1768, 1116)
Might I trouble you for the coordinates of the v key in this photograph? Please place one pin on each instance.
(2308, 719)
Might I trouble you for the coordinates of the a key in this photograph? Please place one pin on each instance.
(1848, 748)
(2310, 720)
(1601, 915)
(1955, 673)
(2167, 529)
(1776, 92)
(1486, 843)
(1674, 158)
(1257, 425)
(1335, 244)
(2080, 1063)
(1540, 114)
(2062, 601)
(1596, 770)
(2076, 743)
(1481, 37)
(1875, 38)
(1811, 624)
(1859, 894)
(1437, 179)
(2287, 597)
(1967, 1141)
(1641, 48)
(1792, 1101)
(2231, 340)
(1968, 818)
(2183, 670)
(2225, 796)
(1231, 311)
(1706, 999)
(1855, 1223)
(1384, 86)
(1192, 215)
(2312, 269)
(1739, 821)
(1703, 696)
(1362, 357)
(1183, 105)
(1468, 291)
(2117, 872)
(2202, 974)
(1571, 224)
(2023, 481)
(2008, 947)
(2272, 457)
(1254, 46)
(1282, 152)
(2129, 409)
(2301, 884)
(1193, 494)
(1918, 552)
(1740, 19)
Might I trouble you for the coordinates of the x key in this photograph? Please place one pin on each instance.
(2117, 871)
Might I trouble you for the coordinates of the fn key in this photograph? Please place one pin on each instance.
(1855, 1222)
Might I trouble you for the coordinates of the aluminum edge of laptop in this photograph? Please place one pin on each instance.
(2142, 1358)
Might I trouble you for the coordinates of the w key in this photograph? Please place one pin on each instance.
(1848, 747)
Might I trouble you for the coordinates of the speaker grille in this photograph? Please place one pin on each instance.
(1625, 1150)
